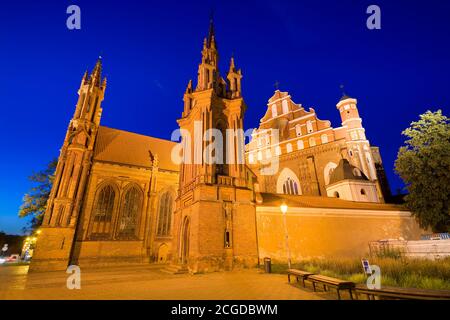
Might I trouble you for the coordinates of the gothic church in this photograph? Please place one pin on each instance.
(118, 198)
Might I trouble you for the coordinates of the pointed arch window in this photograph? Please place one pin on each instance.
(165, 214)
(130, 212)
(290, 187)
(288, 183)
(102, 214)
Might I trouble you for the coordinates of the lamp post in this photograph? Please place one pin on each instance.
(284, 209)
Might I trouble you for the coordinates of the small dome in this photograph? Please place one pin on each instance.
(345, 97)
(345, 171)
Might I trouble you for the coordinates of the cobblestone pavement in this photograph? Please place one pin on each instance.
(149, 282)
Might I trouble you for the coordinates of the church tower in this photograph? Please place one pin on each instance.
(215, 216)
(358, 147)
(54, 247)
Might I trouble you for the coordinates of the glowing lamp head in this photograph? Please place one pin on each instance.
(284, 208)
(39, 232)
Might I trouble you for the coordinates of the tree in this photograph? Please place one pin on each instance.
(424, 166)
(34, 202)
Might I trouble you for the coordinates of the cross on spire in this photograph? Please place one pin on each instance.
(211, 15)
(277, 85)
(344, 94)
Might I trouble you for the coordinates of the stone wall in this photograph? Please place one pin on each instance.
(147, 246)
(211, 211)
(308, 165)
(53, 249)
(329, 233)
(107, 253)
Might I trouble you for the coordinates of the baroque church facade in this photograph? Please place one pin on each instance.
(119, 198)
(312, 155)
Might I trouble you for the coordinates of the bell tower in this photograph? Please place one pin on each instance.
(215, 216)
(54, 247)
(358, 147)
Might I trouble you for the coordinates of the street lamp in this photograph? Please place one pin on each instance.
(284, 209)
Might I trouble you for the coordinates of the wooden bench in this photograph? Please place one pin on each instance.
(328, 282)
(402, 293)
(298, 274)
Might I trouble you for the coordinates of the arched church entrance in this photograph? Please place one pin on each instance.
(163, 251)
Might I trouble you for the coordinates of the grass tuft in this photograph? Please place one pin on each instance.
(395, 271)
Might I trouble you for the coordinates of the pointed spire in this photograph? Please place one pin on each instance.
(189, 87)
(97, 72)
(85, 77)
(208, 72)
(211, 33)
(232, 65)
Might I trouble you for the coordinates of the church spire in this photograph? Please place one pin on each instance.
(92, 89)
(211, 33)
(96, 75)
(208, 74)
(232, 65)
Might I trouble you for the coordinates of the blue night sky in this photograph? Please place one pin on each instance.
(151, 49)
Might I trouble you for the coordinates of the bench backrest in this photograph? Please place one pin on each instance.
(330, 280)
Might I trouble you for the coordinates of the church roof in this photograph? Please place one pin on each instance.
(123, 147)
(345, 171)
(275, 200)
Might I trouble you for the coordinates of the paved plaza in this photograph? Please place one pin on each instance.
(150, 283)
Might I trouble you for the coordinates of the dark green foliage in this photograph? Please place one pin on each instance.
(424, 165)
(35, 201)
